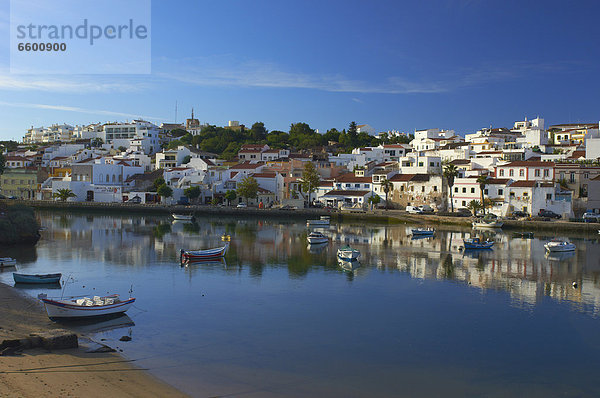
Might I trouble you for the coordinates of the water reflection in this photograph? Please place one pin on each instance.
(517, 264)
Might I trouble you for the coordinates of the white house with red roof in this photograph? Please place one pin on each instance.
(14, 162)
(412, 163)
(467, 189)
(533, 196)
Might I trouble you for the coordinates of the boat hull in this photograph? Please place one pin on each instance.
(183, 217)
(317, 241)
(64, 309)
(421, 232)
(560, 249)
(203, 255)
(488, 225)
(348, 255)
(7, 262)
(38, 279)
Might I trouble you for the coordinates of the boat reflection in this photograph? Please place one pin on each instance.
(98, 325)
(210, 263)
(38, 286)
(348, 265)
(316, 248)
(559, 256)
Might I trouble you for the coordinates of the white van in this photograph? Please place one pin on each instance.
(413, 210)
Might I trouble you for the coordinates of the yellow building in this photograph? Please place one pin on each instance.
(22, 183)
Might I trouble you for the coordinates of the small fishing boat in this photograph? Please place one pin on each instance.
(37, 278)
(524, 235)
(315, 238)
(208, 254)
(183, 217)
(347, 253)
(476, 243)
(422, 231)
(488, 223)
(557, 246)
(85, 307)
(321, 222)
(7, 262)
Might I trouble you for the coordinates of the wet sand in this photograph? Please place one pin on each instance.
(64, 373)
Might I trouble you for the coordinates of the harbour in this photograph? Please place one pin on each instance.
(277, 318)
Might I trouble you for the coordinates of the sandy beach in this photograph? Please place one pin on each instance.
(64, 373)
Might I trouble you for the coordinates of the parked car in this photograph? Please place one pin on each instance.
(413, 210)
(241, 205)
(548, 214)
(520, 213)
(426, 208)
(590, 216)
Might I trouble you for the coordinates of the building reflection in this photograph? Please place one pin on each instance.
(518, 266)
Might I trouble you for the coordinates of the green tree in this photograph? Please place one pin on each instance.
(310, 179)
(2, 163)
(482, 181)
(192, 193)
(387, 187)
(258, 132)
(178, 133)
(230, 196)
(157, 183)
(63, 194)
(353, 134)
(122, 148)
(247, 188)
(96, 142)
(374, 200)
(450, 173)
(164, 191)
(174, 144)
(186, 159)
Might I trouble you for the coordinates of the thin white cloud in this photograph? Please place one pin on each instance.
(66, 108)
(68, 84)
(357, 100)
(226, 71)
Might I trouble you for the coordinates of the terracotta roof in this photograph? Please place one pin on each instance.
(497, 181)
(528, 163)
(577, 155)
(457, 162)
(246, 166)
(249, 151)
(394, 146)
(410, 177)
(264, 191)
(178, 168)
(523, 184)
(350, 177)
(346, 193)
(330, 183)
(264, 175)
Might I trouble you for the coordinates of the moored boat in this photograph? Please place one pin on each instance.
(85, 307)
(487, 223)
(559, 246)
(183, 217)
(476, 243)
(37, 278)
(422, 231)
(7, 262)
(208, 254)
(347, 253)
(315, 238)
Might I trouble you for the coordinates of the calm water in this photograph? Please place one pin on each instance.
(418, 318)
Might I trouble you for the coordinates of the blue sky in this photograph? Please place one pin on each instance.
(405, 65)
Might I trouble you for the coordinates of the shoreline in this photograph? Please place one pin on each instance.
(39, 372)
(377, 216)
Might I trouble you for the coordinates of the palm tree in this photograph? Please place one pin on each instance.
(482, 180)
(474, 206)
(387, 187)
(64, 194)
(450, 172)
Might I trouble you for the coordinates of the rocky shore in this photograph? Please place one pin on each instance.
(43, 370)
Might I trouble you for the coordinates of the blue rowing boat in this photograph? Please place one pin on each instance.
(38, 278)
(477, 243)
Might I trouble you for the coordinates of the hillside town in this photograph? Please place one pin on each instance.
(526, 169)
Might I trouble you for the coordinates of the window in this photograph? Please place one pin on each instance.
(511, 173)
(423, 188)
(525, 193)
(431, 164)
(356, 185)
(464, 202)
(435, 188)
(512, 194)
(472, 190)
(500, 191)
(548, 196)
(562, 175)
(501, 172)
(420, 164)
(546, 173)
(521, 173)
(455, 189)
(586, 176)
(537, 172)
(464, 190)
(366, 186)
(485, 191)
(348, 185)
(571, 179)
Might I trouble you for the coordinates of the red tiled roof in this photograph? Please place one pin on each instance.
(410, 177)
(528, 163)
(497, 181)
(523, 184)
(264, 175)
(346, 193)
(246, 166)
(350, 177)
